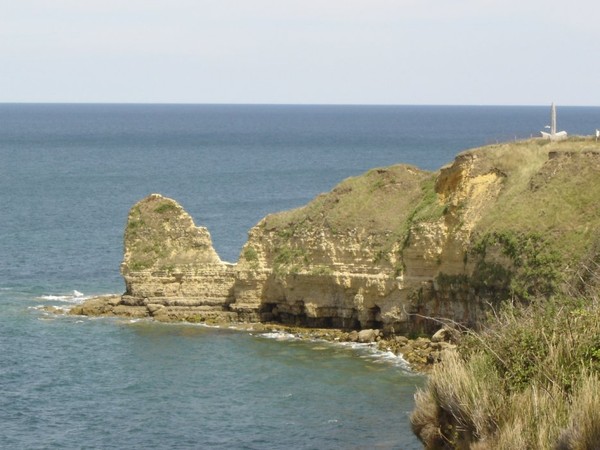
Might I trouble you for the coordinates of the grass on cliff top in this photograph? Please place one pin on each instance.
(556, 197)
(379, 201)
(158, 235)
(548, 189)
(144, 235)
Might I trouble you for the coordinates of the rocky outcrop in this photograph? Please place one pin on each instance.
(170, 267)
(386, 250)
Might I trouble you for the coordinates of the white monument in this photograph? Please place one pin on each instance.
(553, 135)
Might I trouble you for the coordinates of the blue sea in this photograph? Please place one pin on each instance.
(68, 176)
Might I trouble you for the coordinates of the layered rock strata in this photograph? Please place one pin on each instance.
(170, 267)
(390, 249)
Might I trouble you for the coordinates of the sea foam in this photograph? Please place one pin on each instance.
(368, 351)
(74, 297)
(279, 336)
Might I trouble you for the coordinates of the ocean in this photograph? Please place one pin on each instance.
(69, 174)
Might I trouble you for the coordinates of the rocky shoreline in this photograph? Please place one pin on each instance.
(421, 353)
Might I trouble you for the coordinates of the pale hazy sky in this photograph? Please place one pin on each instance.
(516, 52)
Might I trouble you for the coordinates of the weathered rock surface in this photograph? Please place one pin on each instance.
(385, 250)
(170, 267)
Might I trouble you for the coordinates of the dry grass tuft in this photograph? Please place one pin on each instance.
(530, 379)
(425, 420)
(583, 432)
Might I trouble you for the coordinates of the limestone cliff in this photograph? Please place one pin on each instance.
(382, 250)
(170, 267)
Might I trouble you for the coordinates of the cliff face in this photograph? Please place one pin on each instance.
(334, 262)
(383, 250)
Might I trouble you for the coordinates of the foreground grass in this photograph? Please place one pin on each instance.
(529, 380)
(530, 377)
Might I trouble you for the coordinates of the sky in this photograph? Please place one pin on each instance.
(455, 52)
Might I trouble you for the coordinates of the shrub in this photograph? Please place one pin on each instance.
(530, 268)
(289, 260)
(165, 207)
(137, 266)
(250, 254)
(529, 379)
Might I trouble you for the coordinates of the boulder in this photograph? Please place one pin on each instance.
(368, 336)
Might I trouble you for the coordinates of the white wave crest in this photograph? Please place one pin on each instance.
(50, 310)
(279, 336)
(368, 351)
(74, 297)
(379, 356)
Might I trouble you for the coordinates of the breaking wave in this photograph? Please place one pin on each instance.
(74, 297)
(365, 351)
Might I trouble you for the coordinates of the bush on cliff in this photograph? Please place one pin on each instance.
(529, 379)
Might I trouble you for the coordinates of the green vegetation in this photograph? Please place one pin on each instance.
(250, 254)
(529, 266)
(195, 318)
(165, 207)
(555, 197)
(531, 379)
(167, 268)
(289, 260)
(157, 236)
(378, 204)
(321, 270)
(429, 208)
(543, 203)
(378, 201)
(137, 266)
(381, 255)
(135, 222)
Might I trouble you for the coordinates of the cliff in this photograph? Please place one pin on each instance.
(383, 250)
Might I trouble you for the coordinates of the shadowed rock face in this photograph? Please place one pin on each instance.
(383, 250)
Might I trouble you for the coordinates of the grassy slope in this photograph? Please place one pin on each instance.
(379, 201)
(557, 198)
(378, 205)
(531, 379)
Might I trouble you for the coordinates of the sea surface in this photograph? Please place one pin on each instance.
(68, 176)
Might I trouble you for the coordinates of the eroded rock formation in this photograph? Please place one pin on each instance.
(384, 250)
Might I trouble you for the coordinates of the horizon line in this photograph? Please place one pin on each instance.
(295, 104)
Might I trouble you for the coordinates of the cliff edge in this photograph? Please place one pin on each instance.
(387, 249)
